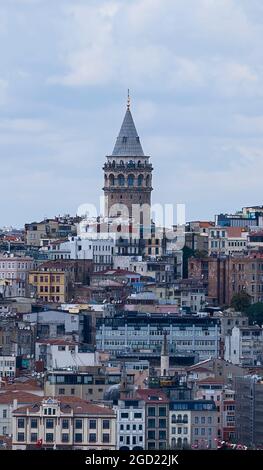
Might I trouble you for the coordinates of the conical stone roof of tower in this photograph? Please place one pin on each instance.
(128, 142)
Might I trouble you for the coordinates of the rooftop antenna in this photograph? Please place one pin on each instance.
(128, 99)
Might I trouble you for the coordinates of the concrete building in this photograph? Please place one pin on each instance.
(88, 383)
(249, 414)
(15, 270)
(60, 227)
(7, 366)
(244, 346)
(62, 353)
(227, 240)
(156, 418)
(64, 423)
(130, 422)
(133, 331)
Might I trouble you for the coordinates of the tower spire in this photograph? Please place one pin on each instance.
(128, 99)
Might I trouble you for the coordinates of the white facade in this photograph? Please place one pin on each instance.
(244, 346)
(63, 355)
(130, 425)
(100, 251)
(220, 241)
(7, 366)
(179, 428)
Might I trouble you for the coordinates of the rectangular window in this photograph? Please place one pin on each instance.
(65, 423)
(49, 437)
(151, 434)
(151, 411)
(162, 435)
(20, 423)
(78, 423)
(93, 437)
(151, 423)
(105, 438)
(78, 437)
(162, 411)
(124, 415)
(162, 423)
(92, 424)
(61, 391)
(65, 437)
(106, 424)
(4, 413)
(33, 437)
(20, 437)
(49, 423)
(33, 423)
(137, 415)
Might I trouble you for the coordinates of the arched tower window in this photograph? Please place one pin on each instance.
(122, 163)
(140, 180)
(148, 180)
(111, 180)
(121, 180)
(113, 163)
(130, 180)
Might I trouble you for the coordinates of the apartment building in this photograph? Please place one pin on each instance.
(15, 270)
(156, 418)
(132, 331)
(244, 346)
(130, 424)
(68, 423)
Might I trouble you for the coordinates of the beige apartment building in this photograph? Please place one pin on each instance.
(64, 423)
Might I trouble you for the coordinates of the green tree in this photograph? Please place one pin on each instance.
(241, 301)
(255, 313)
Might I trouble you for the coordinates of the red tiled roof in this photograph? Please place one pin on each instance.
(67, 404)
(57, 341)
(21, 397)
(152, 395)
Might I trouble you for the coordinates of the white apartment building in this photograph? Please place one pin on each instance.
(227, 240)
(59, 353)
(244, 346)
(100, 251)
(7, 366)
(130, 424)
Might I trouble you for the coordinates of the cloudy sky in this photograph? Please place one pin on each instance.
(195, 71)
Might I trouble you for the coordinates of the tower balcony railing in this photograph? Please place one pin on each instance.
(128, 165)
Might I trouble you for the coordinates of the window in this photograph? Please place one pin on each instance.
(124, 415)
(72, 391)
(209, 420)
(65, 437)
(134, 427)
(137, 415)
(151, 423)
(162, 423)
(78, 437)
(78, 423)
(162, 435)
(20, 423)
(20, 436)
(196, 431)
(33, 437)
(93, 424)
(65, 423)
(202, 431)
(49, 437)
(92, 437)
(162, 411)
(49, 423)
(179, 430)
(105, 438)
(61, 391)
(203, 419)
(4, 413)
(151, 411)
(33, 423)
(106, 424)
(151, 434)
(196, 419)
